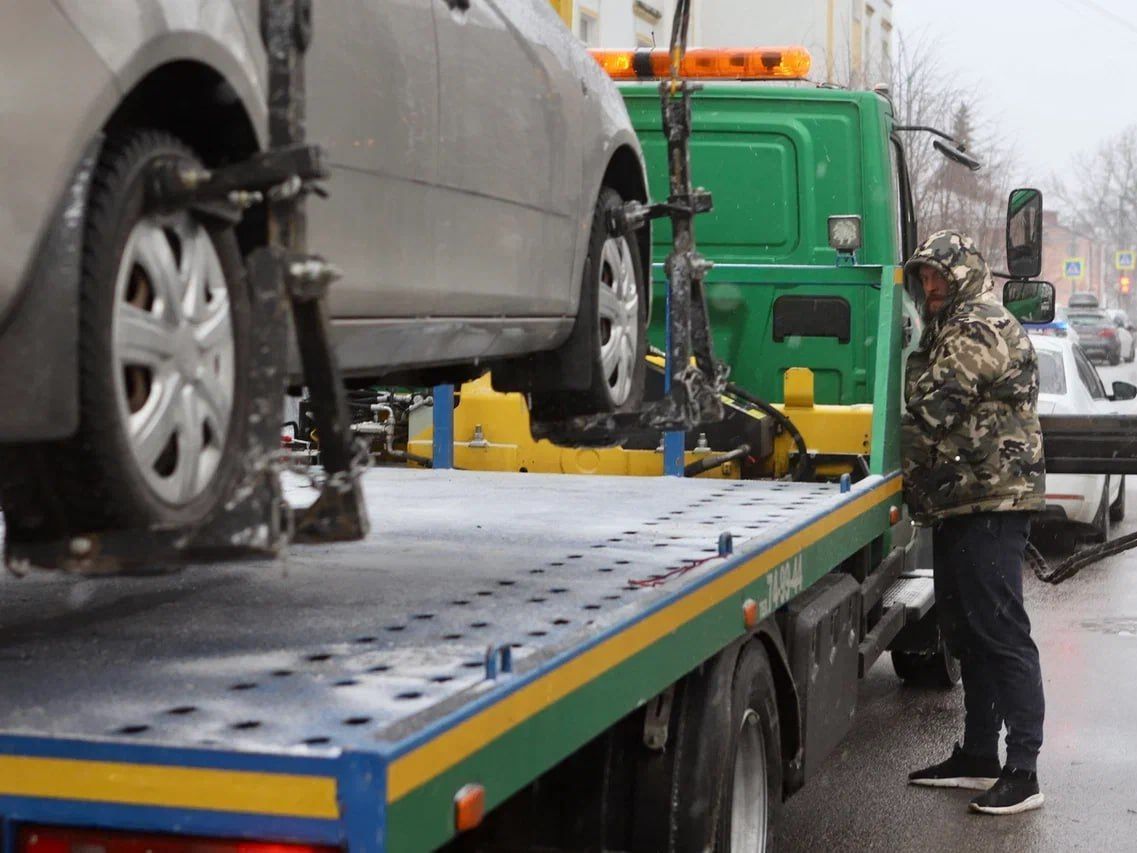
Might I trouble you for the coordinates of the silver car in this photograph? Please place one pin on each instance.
(474, 152)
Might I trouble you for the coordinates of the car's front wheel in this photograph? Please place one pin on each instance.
(164, 317)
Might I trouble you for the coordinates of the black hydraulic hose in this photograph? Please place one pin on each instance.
(802, 469)
(1077, 561)
(708, 462)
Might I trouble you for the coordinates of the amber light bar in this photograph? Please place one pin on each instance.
(703, 63)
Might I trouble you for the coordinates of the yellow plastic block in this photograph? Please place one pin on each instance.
(798, 388)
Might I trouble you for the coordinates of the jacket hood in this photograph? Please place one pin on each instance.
(959, 262)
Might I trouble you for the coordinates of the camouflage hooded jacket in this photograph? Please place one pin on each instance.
(971, 440)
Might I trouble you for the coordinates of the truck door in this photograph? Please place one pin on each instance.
(505, 233)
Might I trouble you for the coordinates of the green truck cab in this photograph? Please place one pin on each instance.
(779, 160)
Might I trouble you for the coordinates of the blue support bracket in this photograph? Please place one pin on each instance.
(442, 454)
(673, 459)
(673, 442)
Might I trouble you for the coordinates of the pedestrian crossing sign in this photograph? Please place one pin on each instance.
(1126, 259)
(1073, 267)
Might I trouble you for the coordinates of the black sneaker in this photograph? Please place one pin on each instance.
(1015, 791)
(959, 771)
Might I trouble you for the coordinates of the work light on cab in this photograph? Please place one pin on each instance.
(845, 233)
(718, 63)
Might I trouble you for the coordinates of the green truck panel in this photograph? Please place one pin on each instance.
(780, 161)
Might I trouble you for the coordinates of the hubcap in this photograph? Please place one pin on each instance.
(619, 318)
(748, 795)
(172, 346)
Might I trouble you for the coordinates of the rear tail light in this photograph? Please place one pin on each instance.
(1107, 333)
(47, 839)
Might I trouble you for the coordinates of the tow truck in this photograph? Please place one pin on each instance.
(509, 660)
(505, 661)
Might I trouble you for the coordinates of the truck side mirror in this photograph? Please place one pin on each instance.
(1024, 233)
(1030, 301)
(1123, 391)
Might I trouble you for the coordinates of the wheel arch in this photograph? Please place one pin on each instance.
(190, 98)
(200, 105)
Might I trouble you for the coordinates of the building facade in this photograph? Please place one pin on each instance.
(850, 40)
(1062, 244)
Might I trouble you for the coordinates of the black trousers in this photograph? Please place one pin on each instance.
(979, 598)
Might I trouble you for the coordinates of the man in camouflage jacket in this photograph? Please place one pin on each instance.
(974, 470)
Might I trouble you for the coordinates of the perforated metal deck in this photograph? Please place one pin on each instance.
(335, 645)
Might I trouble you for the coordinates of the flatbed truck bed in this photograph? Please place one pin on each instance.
(344, 694)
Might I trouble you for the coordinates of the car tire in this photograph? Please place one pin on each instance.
(611, 326)
(1115, 358)
(1117, 508)
(164, 319)
(1068, 538)
(1102, 519)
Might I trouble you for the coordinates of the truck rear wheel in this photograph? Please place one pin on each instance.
(728, 784)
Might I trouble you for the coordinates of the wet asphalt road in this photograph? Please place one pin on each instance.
(1086, 630)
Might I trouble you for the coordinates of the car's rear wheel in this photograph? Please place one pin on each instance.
(611, 325)
(164, 317)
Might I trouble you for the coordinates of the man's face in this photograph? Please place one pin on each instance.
(935, 289)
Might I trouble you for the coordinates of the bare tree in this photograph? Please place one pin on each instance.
(1100, 191)
(946, 194)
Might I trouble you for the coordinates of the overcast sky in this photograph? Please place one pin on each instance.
(1058, 75)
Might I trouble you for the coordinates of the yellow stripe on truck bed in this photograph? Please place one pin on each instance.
(244, 791)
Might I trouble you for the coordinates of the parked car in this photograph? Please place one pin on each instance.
(475, 154)
(1125, 330)
(1059, 326)
(1083, 299)
(1097, 334)
(1083, 505)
